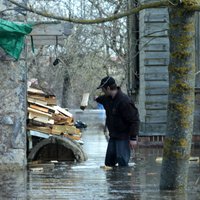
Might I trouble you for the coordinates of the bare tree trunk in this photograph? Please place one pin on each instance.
(66, 87)
(132, 63)
(177, 144)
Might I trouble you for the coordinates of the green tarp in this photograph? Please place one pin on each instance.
(12, 37)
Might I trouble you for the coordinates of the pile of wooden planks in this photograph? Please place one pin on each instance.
(46, 117)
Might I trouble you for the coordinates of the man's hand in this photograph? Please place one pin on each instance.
(133, 144)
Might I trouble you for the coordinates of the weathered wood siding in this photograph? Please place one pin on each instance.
(154, 60)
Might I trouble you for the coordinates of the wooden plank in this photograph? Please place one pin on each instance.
(38, 97)
(156, 32)
(46, 110)
(39, 112)
(156, 18)
(152, 20)
(156, 77)
(157, 84)
(73, 137)
(35, 91)
(51, 100)
(156, 91)
(63, 122)
(156, 69)
(46, 40)
(156, 105)
(59, 116)
(38, 130)
(191, 159)
(35, 166)
(157, 98)
(37, 101)
(163, 47)
(155, 119)
(42, 105)
(154, 10)
(156, 61)
(157, 55)
(32, 122)
(84, 101)
(47, 37)
(58, 129)
(61, 119)
(63, 111)
(52, 29)
(159, 128)
(156, 112)
(45, 133)
(40, 118)
(157, 40)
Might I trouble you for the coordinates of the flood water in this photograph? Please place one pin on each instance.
(88, 181)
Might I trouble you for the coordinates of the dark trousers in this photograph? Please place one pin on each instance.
(118, 151)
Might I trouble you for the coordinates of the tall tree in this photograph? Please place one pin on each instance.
(132, 51)
(177, 143)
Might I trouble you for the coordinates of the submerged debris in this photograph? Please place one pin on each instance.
(52, 133)
(46, 117)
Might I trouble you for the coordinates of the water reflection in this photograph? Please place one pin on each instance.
(123, 184)
(87, 181)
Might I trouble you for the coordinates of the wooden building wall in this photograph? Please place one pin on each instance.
(154, 59)
(153, 65)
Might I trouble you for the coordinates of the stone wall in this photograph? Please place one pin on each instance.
(12, 114)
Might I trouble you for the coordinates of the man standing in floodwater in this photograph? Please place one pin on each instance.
(122, 120)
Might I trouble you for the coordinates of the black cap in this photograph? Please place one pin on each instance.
(107, 81)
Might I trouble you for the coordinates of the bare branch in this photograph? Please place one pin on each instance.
(97, 20)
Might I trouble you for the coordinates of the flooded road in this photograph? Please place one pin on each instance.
(88, 181)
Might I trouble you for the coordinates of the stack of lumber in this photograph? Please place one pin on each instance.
(38, 96)
(46, 117)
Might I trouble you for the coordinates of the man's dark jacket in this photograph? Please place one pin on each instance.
(122, 118)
